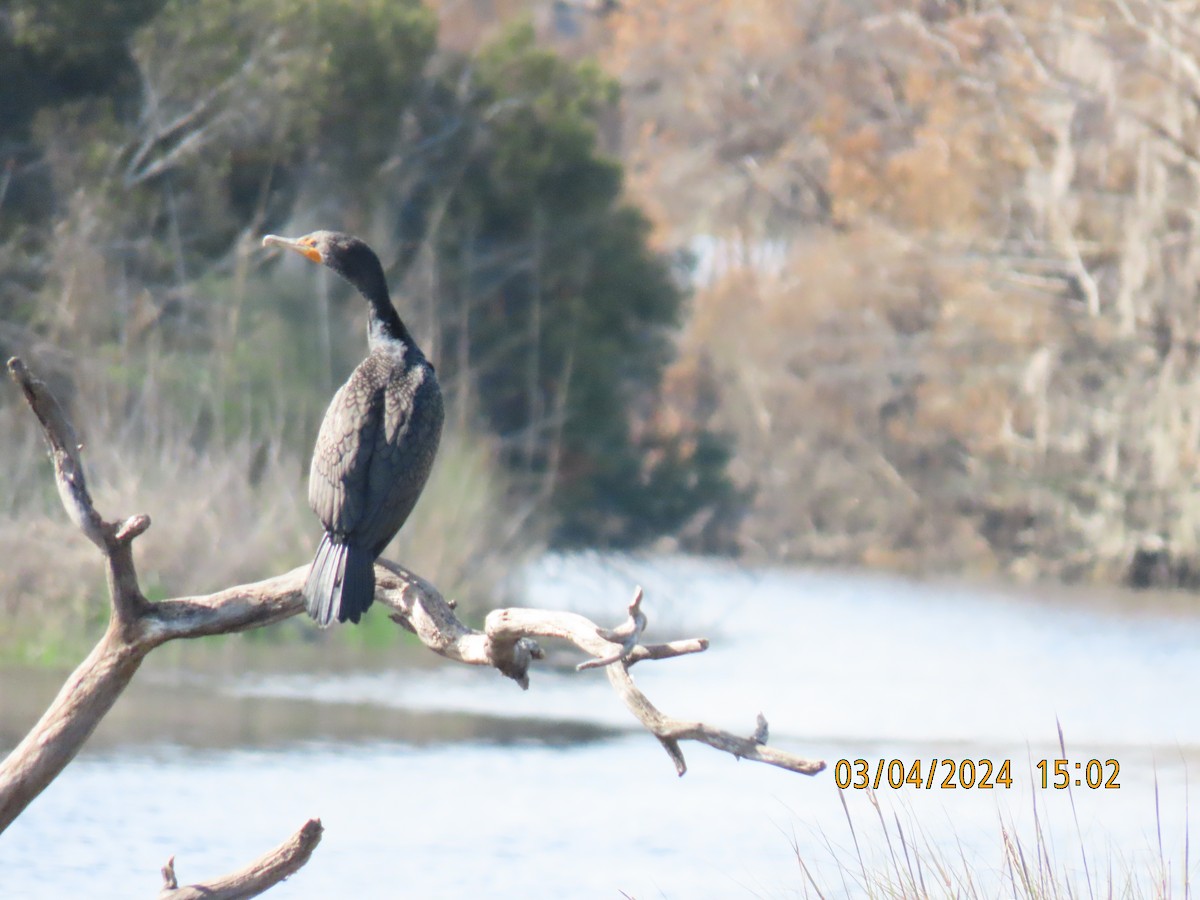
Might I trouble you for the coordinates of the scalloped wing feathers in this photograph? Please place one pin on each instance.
(375, 449)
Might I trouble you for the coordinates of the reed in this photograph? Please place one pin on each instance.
(889, 859)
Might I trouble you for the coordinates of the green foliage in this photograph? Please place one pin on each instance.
(59, 633)
(57, 50)
(552, 304)
(52, 52)
(540, 113)
(553, 319)
(376, 51)
(243, 102)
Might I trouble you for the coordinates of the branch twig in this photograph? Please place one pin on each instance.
(265, 872)
(507, 643)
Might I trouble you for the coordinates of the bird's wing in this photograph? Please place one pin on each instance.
(338, 490)
(388, 484)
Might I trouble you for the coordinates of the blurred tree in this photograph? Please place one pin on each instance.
(51, 52)
(555, 316)
(249, 101)
(966, 231)
(550, 310)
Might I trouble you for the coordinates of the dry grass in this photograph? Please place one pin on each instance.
(223, 513)
(888, 860)
(908, 865)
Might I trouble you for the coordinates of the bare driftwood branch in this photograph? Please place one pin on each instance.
(92, 688)
(265, 872)
(508, 643)
(135, 628)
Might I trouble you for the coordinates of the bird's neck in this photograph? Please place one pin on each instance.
(384, 325)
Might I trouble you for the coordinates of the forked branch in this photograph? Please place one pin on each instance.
(507, 643)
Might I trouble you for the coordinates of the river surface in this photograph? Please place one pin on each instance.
(444, 781)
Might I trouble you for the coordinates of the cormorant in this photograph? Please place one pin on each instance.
(376, 444)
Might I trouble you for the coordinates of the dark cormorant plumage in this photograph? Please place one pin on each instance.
(377, 443)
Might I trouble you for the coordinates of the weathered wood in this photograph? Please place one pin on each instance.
(95, 685)
(262, 874)
(135, 628)
(508, 645)
(233, 609)
(64, 452)
(52, 743)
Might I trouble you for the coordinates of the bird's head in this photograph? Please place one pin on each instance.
(344, 253)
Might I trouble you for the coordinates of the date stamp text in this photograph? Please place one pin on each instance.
(972, 774)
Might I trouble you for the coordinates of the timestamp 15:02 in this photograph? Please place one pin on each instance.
(1094, 774)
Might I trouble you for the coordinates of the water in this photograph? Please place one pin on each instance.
(451, 782)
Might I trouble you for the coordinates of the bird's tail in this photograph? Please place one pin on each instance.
(341, 582)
